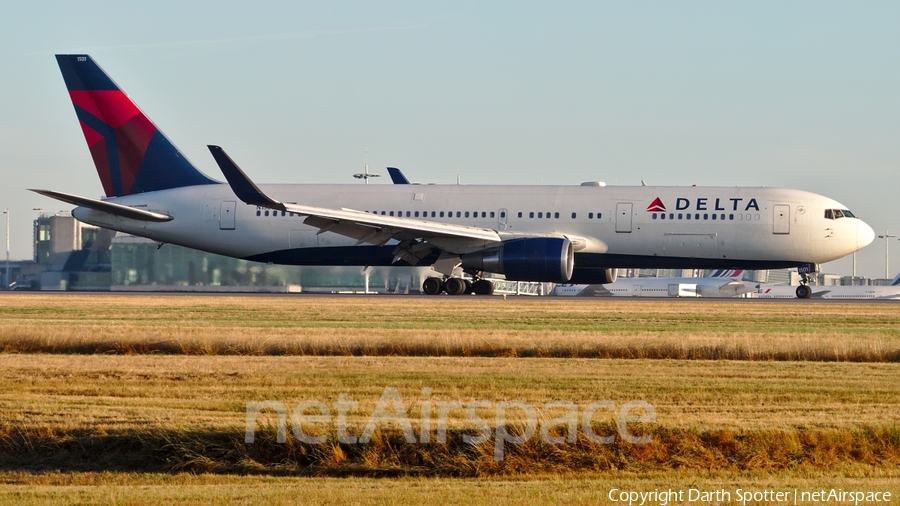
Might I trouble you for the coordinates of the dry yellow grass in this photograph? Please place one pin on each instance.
(160, 384)
(489, 327)
(583, 488)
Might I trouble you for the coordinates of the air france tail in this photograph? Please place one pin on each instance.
(130, 153)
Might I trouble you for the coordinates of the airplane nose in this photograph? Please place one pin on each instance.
(864, 235)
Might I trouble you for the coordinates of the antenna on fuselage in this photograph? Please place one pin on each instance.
(365, 175)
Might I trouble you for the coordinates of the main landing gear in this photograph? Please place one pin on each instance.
(804, 291)
(457, 286)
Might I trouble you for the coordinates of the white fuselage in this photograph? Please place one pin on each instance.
(701, 227)
(830, 292)
(659, 287)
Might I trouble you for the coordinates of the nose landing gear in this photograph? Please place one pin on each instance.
(804, 291)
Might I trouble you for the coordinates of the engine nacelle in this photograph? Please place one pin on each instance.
(550, 259)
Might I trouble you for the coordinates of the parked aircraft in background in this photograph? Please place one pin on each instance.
(397, 177)
(560, 234)
(721, 283)
(891, 291)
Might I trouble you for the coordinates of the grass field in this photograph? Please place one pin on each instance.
(141, 399)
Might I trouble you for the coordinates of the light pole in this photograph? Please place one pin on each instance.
(6, 278)
(887, 238)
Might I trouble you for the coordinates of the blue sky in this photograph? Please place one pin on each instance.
(796, 94)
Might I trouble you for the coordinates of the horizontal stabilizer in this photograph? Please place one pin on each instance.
(106, 207)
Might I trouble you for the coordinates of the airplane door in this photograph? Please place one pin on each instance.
(635, 290)
(226, 215)
(782, 219)
(501, 217)
(623, 217)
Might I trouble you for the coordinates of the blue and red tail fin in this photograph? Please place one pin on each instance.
(130, 153)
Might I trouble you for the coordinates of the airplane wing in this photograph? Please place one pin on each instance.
(360, 225)
(107, 207)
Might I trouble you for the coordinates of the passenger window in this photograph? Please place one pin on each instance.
(267, 212)
(671, 216)
(282, 213)
(417, 214)
(531, 214)
(662, 216)
(492, 214)
(573, 216)
(654, 216)
(706, 216)
(520, 214)
(599, 215)
(442, 214)
(467, 214)
(714, 216)
(258, 212)
(392, 213)
(484, 214)
(731, 217)
(556, 215)
(679, 216)
(688, 216)
(591, 216)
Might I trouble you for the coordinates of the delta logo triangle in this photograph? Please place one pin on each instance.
(656, 206)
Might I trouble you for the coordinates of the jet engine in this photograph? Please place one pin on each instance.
(550, 259)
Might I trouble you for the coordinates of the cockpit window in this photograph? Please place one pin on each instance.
(833, 214)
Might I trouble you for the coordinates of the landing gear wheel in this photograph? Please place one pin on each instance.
(432, 286)
(468, 286)
(483, 287)
(804, 292)
(455, 286)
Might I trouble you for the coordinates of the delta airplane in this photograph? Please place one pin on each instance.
(891, 291)
(721, 283)
(562, 234)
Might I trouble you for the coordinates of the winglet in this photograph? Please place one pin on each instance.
(397, 177)
(243, 187)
